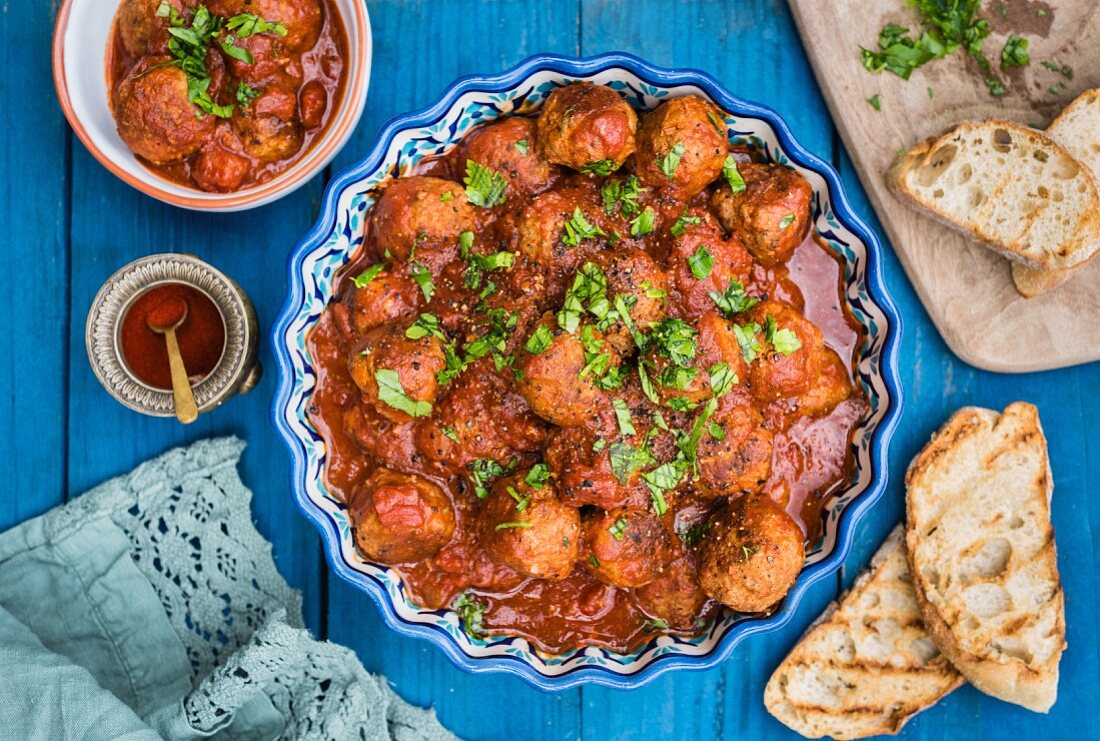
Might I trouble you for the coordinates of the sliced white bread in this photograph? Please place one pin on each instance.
(981, 549)
(1012, 188)
(867, 665)
(1077, 128)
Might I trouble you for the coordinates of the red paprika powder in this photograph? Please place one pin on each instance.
(201, 337)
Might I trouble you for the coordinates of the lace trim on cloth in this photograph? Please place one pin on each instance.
(187, 516)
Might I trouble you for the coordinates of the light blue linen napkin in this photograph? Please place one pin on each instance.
(150, 607)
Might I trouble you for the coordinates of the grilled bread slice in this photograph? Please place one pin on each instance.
(1077, 129)
(867, 665)
(981, 549)
(1014, 189)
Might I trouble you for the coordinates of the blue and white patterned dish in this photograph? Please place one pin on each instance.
(338, 234)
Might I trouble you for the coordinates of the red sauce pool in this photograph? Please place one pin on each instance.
(201, 337)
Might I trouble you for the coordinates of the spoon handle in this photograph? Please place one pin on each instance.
(186, 410)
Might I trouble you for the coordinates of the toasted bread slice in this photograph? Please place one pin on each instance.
(981, 548)
(1014, 189)
(867, 665)
(1077, 128)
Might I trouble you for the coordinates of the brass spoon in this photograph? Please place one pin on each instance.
(186, 409)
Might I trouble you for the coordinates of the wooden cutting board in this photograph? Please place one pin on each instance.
(966, 289)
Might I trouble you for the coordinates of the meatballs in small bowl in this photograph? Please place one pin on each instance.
(587, 372)
(213, 105)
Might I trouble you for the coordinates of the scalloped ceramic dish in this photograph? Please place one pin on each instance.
(338, 234)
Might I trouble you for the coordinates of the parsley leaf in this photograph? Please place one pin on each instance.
(1015, 53)
(671, 161)
(249, 24)
(622, 416)
(540, 340)
(785, 341)
(786, 221)
(472, 612)
(618, 528)
(701, 263)
(538, 476)
(722, 379)
(578, 228)
(732, 175)
(643, 224)
(484, 187)
(392, 393)
(483, 471)
(513, 526)
(875, 102)
(675, 340)
(364, 278)
(603, 168)
(747, 340)
(423, 278)
(245, 95)
(626, 460)
(521, 147)
(678, 229)
(622, 196)
(733, 300)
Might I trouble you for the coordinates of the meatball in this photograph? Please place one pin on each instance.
(627, 547)
(681, 145)
(740, 460)
(751, 555)
(560, 373)
(580, 460)
(301, 18)
(271, 62)
(526, 528)
(508, 147)
(637, 277)
(703, 265)
(788, 351)
(457, 434)
(219, 166)
(715, 342)
(421, 217)
(587, 126)
(396, 374)
(399, 517)
(269, 128)
(831, 386)
(140, 29)
(387, 296)
(772, 213)
(674, 596)
(543, 234)
(154, 116)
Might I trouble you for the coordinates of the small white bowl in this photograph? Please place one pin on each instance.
(80, 41)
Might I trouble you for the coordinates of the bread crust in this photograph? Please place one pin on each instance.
(1033, 685)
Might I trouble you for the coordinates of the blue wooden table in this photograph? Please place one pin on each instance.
(68, 224)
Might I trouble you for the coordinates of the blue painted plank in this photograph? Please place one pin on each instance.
(113, 224)
(420, 47)
(33, 189)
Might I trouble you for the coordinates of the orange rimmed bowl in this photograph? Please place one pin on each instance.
(80, 43)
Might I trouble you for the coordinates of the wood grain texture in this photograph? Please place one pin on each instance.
(966, 289)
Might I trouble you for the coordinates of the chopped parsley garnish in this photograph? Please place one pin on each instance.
(618, 528)
(661, 479)
(722, 379)
(643, 223)
(1063, 70)
(587, 293)
(655, 624)
(647, 385)
(537, 476)
(578, 228)
(622, 196)
(521, 501)
(364, 278)
(392, 393)
(594, 561)
(540, 340)
(603, 168)
(671, 161)
(472, 612)
(701, 263)
(426, 324)
(423, 278)
(652, 291)
(521, 147)
(732, 175)
(249, 24)
(692, 535)
(483, 471)
(676, 377)
(450, 433)
(245, 95)
(678, 229)
(784, 341)
(446, 197)
(1014, 53)
(786, 221)
(188, 46)
(598, 362)
(875, 102)
(622, 417)
(748, 551)
(675, 340)
(733, 300)
(626, 460)
(513, 526)
(599, 445)
(747, 340)
(484, 187)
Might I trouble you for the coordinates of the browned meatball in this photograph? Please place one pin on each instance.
(301, 18)
(701, 264)
(751, 555)
(421, 217)
(508, 147)
(715, 342)
(140, 29)
(155, 118)
(681, 145)
(740, 459)
(397, 375)
(587, 126)
(400, 517)
(581, 462)
(387, 296)
(271, 62)
(772, 213)
(545, 238)
(269, 128)
(219, 166)
(526, 528)
(831, 386)
(789, 351)
(458, 433)
(557, 379)
(636, 276)
(626, 547)
(674, 596)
